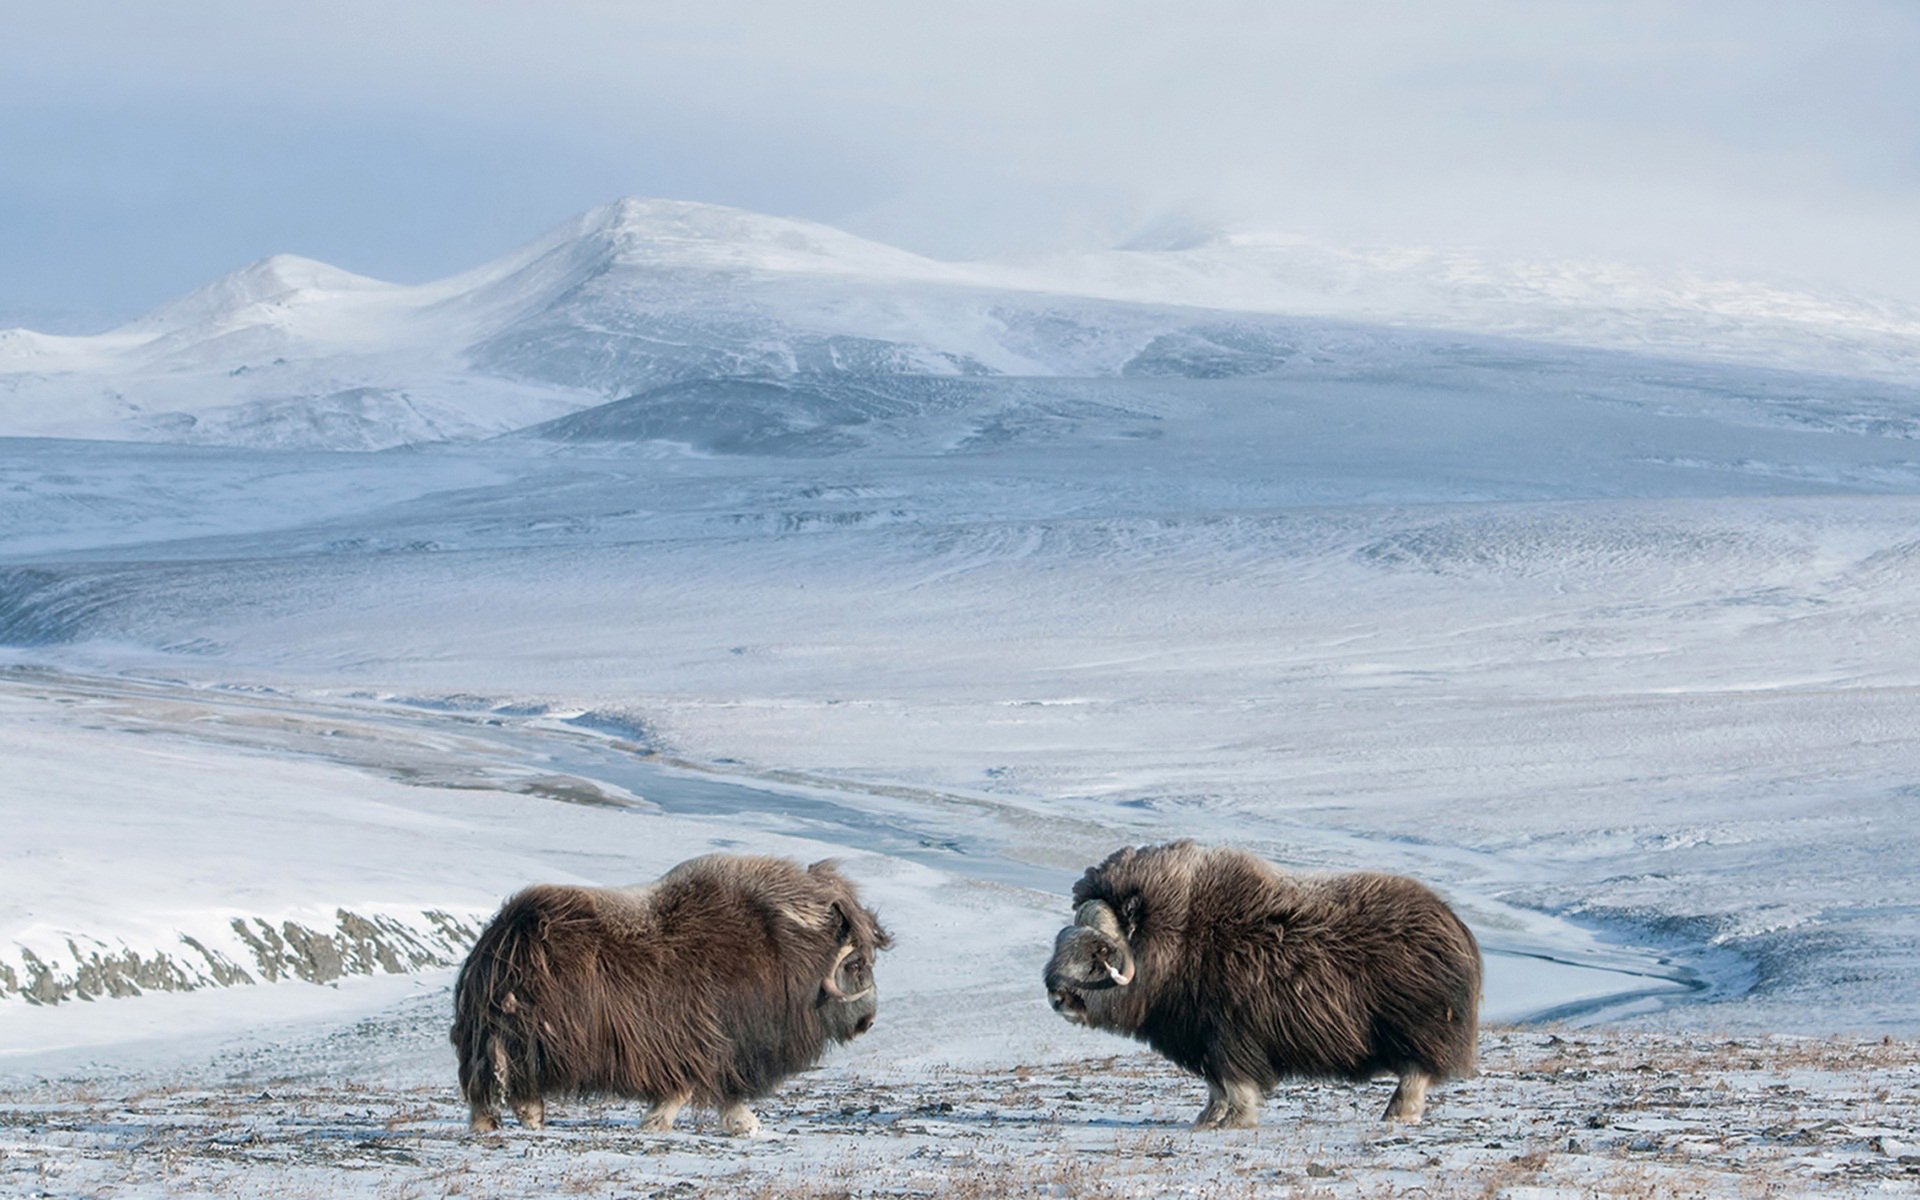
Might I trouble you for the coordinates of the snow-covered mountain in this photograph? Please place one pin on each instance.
(643, 295)
(1677, 312)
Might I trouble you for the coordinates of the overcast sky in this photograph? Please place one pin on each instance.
(145, 148)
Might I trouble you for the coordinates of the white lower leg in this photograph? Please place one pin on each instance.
(485, 1118)
(661, 1116)
(1410, 1098)
(532, 1113)
(737, 1119)
(1243, 1105)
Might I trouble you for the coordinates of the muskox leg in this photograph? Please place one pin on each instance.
(1243, 1105)
(737, 1119)
(661, 1116)
(484, 1094)
(532, 1113)
(1216, 1109)
(1410, 1098)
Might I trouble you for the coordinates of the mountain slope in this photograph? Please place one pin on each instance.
(1597, 304)
(641, 295)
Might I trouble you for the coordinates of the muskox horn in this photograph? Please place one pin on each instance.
(1098, 916)
(832, 986)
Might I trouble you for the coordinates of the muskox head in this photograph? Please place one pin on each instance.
(847, 1000)
(1091, 957)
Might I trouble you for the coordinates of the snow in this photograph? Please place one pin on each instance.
(1590, 303)
(359, 1108)
(1587, 650)
(279, 810)
(686, 529)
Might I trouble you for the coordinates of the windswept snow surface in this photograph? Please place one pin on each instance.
(1589, 640)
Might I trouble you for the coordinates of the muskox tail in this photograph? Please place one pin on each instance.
(507, 980)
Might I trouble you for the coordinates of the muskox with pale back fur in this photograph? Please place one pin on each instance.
(1247, 975)
(707, 987)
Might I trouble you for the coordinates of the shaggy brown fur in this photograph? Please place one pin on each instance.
(1245, 975)
(710, 986)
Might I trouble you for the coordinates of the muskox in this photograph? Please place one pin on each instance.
(707, 987)
(1246, 975)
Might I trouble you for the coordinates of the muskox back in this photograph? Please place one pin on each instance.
(709, 986)
(1246, 974)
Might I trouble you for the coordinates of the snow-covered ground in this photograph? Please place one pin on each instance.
(964, 581)
(360, 1109)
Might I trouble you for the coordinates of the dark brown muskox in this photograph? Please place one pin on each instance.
(709, 987)
(1246, 975)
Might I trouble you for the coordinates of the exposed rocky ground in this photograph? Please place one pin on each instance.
(1553, 1113)
(360, 945)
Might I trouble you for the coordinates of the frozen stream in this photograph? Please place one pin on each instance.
(1539, 967)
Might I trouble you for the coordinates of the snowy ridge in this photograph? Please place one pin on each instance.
(643, 294)
(1598, 304)
(44, 965)
(264, 292)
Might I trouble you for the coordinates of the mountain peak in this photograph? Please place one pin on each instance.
(648, 232)
(255, 289)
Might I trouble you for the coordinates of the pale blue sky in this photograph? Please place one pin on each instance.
(147, 148)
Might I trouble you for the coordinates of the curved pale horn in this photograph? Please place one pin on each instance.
(832, 986)
(1098, 915)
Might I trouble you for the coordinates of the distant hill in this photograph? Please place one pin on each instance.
(668, 299)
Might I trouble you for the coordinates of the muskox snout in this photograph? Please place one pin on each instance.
(844, 1021)
(1068, 1003)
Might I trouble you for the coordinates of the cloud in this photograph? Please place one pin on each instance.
(151, 145)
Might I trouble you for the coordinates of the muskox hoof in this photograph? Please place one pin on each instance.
(739, 1121)
(532, 1113)
(1216, 1109)
(484, 1122)
(1230, 1106)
